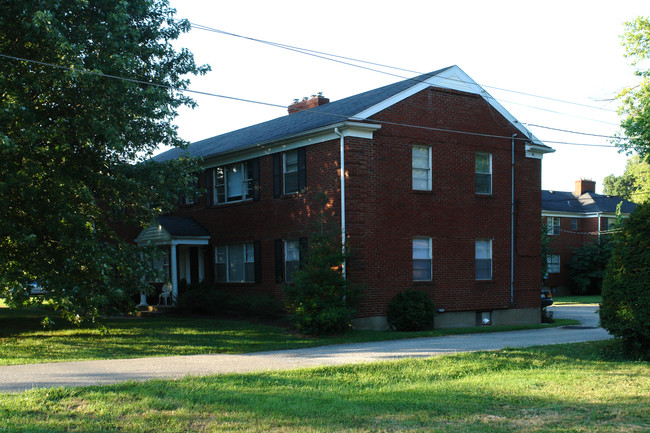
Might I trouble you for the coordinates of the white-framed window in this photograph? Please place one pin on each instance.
(608, 223)
(483, 258)
(232, 183)
(483, 173)
(235, 263)
(291, 259)
(421, 162)
(422, 258)
(574, 224)
(159, 262)
(290, 171)
(553, 226)
(553, 264)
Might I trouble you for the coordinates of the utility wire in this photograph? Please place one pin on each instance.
(576, 132)
(132, 80)
(165, 86)
(332, 57)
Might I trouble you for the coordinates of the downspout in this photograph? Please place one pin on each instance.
(598, 217)
(512, 224)
(342, 145)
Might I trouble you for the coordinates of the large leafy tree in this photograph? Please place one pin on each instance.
(633, 184)
(74, 144)
(635, 101)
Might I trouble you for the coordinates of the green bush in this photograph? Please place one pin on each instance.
(204, 298)
(625, 308)
(411, 310)
(320, 300)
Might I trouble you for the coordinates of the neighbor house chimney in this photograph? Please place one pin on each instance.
(307, 103)
(584, 185)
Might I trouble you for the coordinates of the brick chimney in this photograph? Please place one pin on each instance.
(584, 185)
(307, 103)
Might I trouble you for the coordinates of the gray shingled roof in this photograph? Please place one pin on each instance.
(292, 124)
(589, 202)
(182, 226)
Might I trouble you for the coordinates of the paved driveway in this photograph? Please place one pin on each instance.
(16, 378)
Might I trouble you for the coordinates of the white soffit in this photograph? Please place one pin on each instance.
(326, 133)
(452, 78)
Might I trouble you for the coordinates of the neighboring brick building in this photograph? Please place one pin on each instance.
(430, 202)
(575, 218)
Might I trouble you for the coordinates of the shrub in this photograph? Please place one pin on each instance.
(625, 308)
(320, 300)
(411, 310)
(204, 298)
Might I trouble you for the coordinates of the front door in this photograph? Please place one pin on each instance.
(191, 263)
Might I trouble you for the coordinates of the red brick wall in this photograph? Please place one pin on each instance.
(382, 224)
(384, 213)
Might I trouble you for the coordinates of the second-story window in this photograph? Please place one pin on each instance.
(289, 169)
(421, 162)
(235, 182)
(553, 226)
(483, 173)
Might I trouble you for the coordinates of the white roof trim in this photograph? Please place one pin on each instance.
(158, 236)
(548, 213)
(456, 79)
(319, 135)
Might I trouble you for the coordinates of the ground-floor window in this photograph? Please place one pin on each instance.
(483, 257)
(159, 262)
(553, 262)
(235, 263)
(291, 259)
(422, 259)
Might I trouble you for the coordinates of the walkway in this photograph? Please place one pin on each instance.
(16, 378)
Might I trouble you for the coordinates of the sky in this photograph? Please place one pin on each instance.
(555, 50)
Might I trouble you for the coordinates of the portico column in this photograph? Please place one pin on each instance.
(174, 268)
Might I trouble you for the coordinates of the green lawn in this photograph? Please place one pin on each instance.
(565, 388)
(23, 341)
(589, 299)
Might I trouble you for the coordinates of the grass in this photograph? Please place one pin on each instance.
(578, 388)
(588, 299)
(23, 341)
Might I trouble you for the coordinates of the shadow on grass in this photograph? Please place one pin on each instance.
(24, 341)
(533, 389)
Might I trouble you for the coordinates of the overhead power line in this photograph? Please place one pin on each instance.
(580, 133)
(178, 89)
(333, 57)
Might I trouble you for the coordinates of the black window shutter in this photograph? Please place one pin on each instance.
(302, 169)
(302, 242)
(258, 261)
(277, 175)
(279, 265)
(208, 187)
(256, 178)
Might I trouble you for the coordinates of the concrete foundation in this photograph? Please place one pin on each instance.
(463, 319)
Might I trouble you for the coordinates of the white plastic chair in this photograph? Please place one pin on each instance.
(166, 294)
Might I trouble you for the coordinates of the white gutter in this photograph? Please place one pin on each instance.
(342, 141)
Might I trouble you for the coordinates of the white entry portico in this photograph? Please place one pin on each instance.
(185, 241)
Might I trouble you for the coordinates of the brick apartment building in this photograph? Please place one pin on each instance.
(574, 218)
(441, 194)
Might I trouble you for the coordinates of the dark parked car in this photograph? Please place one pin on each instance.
(547, 300)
